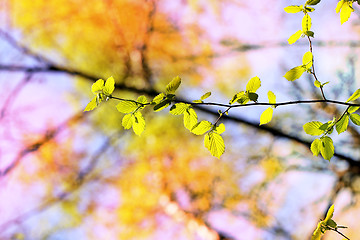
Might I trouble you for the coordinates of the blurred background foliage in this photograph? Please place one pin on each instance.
(66, 174)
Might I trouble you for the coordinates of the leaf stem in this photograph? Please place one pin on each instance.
(313, 68)
(335, 230)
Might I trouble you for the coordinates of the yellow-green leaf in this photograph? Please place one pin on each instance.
(220, 129)
(190, 118)
(253, 84)
(342, 124)
(142, 99)
(339, 6)
(205, 96)
(127, 121)
(158, 98)
(318, 232)
(329, 214)
(179, 108)
(293, 38)
(240, 97)
(355, 118)
(294, 73)
(312, 2)
(306, 23)
(214, 143)
(266, 116)
(352, 109)
(97, 86)
(312, 128)
(327, 148)
(126, 106)
(293, 9)
(109, 86)
(315, 147)
(271, 97)
(162, 105)
(307, 60)
(346, 11)
(91, 105)
(354, 96)
(201, 127)
(317, 83)
(138, 123)
(173, 85)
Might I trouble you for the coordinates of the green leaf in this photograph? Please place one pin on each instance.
(220, 129)
(329, 214)
(97, 86)
(293, 9)
(126, 106)
(309, 33)
(309, 9)
(355, 118)
(342, 124)
(190, 118)
(346, 10)
(162, 105)
(271, 97)
(306, 23)
(331, 223)
(312, 2)
(293, 38)
(315, 147)
(214, 143)
(266, 116)
(91, 105)
(201, 127)
(173, 85)
(253, 84)
(253, 96)
(179, 108)
(355, 96)
(138, 123)
(109, 86)
(313, 128)
(327, 148)
(352, 109)
(205, 96)
(307, 60)
(324, 126)
(240, 97)
(294, 73)
(142, 99)
(127, 121)
(158, 98)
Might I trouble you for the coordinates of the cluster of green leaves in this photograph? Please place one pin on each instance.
(327, 224)
(296, 72)
(345, 8)
(102, 90)
(250, 94)
(324, 144)
(306, 21)
(213, 140)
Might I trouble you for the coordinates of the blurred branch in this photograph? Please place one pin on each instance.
(51, 67)
(13, 94)
(48, 136)
(152, 92)
(79, 181)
